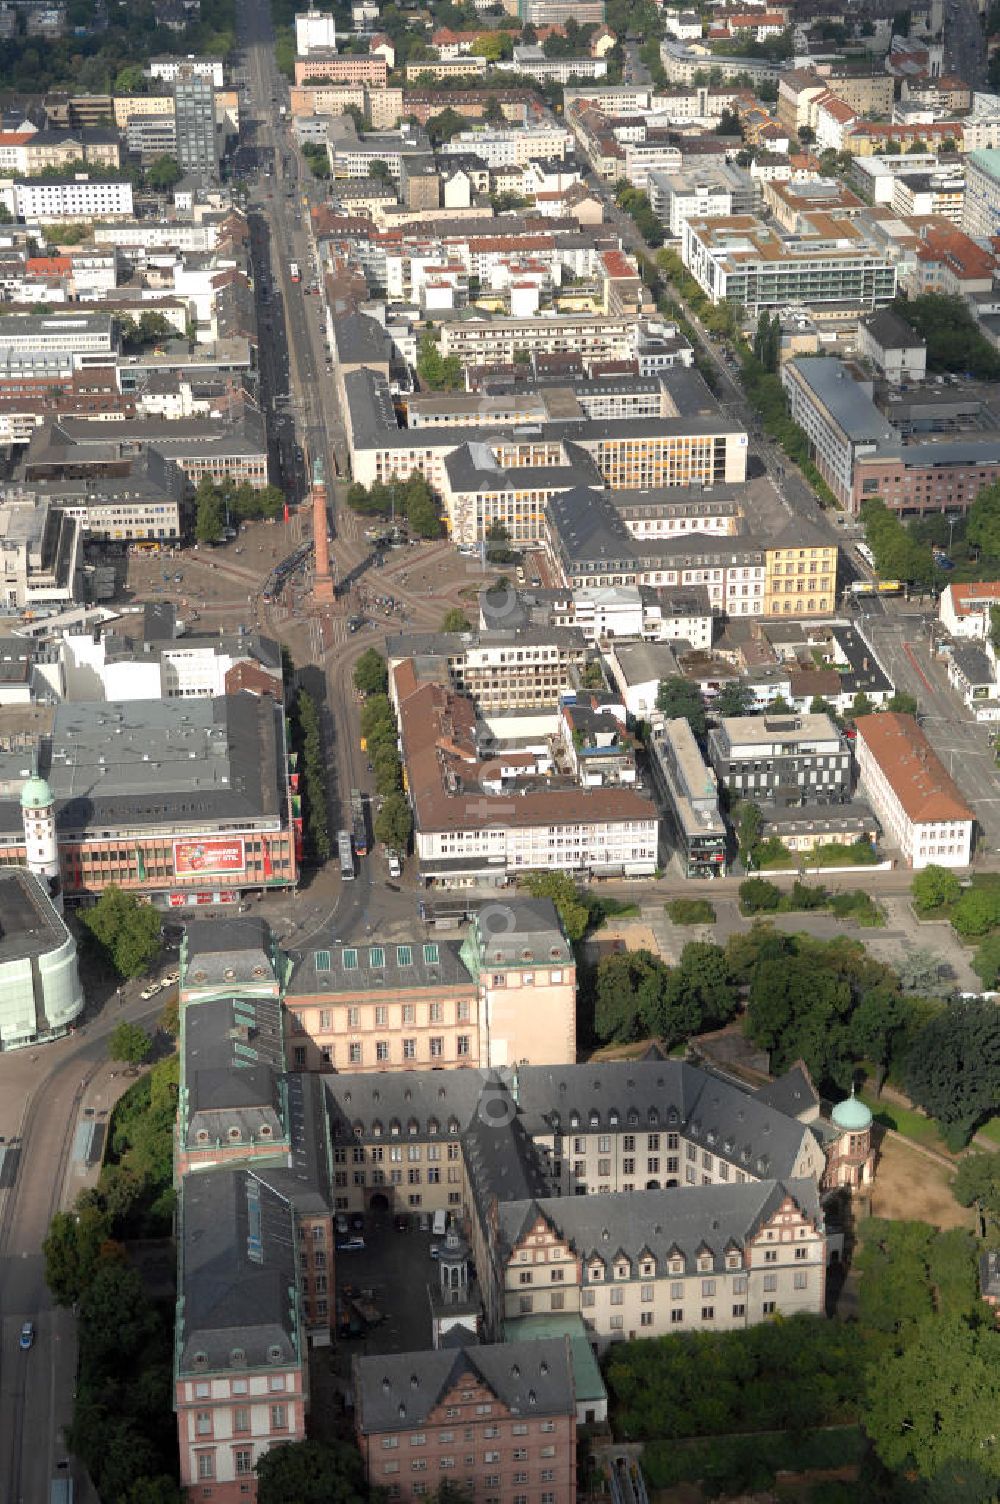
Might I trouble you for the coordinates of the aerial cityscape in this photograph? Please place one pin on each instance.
(499, 752)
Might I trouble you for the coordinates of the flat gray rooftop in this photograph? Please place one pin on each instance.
(29, 925)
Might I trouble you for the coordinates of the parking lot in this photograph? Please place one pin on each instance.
(393, 1273)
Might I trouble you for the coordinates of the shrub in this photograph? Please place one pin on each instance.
(691, 911)
(758, 896)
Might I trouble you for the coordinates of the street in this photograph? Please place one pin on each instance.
(43, 1096)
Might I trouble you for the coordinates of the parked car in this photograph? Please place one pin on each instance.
(27, 1337)
(351, 1245)
(401, 1222)
(341, 1224)
(149, 991)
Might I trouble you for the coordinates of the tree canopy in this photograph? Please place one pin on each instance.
(126, 928)
(954, 341)
(678, 697)
(953, 1068)
(934, 886)
(437, 372)
(394, 822)
(129, 1043)
(311, 1472)
(371, 673)
(636, 995)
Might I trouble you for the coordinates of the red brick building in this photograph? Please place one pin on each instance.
(498, 1421)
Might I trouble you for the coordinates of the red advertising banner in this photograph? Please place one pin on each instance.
(199, 857)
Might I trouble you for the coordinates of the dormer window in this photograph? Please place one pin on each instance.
(234, 1135)
(237, 1357)
(274, 1354)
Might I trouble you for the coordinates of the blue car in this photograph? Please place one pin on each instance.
(27, 1337)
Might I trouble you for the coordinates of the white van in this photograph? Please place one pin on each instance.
(440, 1224)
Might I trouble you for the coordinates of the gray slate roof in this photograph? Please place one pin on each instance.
(399, 1391)
(686, 1219)
(657, 1095)
(140, 763)
(236, 1275)
(233, 1055)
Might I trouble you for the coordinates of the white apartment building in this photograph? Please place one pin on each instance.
(524, 834)
(916, 800)
(677, 198)
(315, 31)
(169, 68)
(57, 333)
(921, 193)
(533, 62)
(501, 147)
(645, 157)
(592, 335)
(155, 235)
(80, 199)
(14, 151)
(964, 610)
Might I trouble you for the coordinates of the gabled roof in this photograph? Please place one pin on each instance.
(400, 1391)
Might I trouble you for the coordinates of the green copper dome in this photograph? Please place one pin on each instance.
(36, 794)
(852, 1115)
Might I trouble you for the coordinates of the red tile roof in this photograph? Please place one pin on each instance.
(916, 774)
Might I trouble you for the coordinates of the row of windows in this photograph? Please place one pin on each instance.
(325, 1019)
(384, 1053)
(204, 1421)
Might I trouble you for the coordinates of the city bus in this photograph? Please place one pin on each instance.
(346, 855)
(890, 587)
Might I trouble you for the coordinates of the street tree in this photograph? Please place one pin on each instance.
(934, 886)
(126, 928)
(129, 1043)
(209, 517)
(371, 673)
(388, 770)
(73, 1246)
(394, 822)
